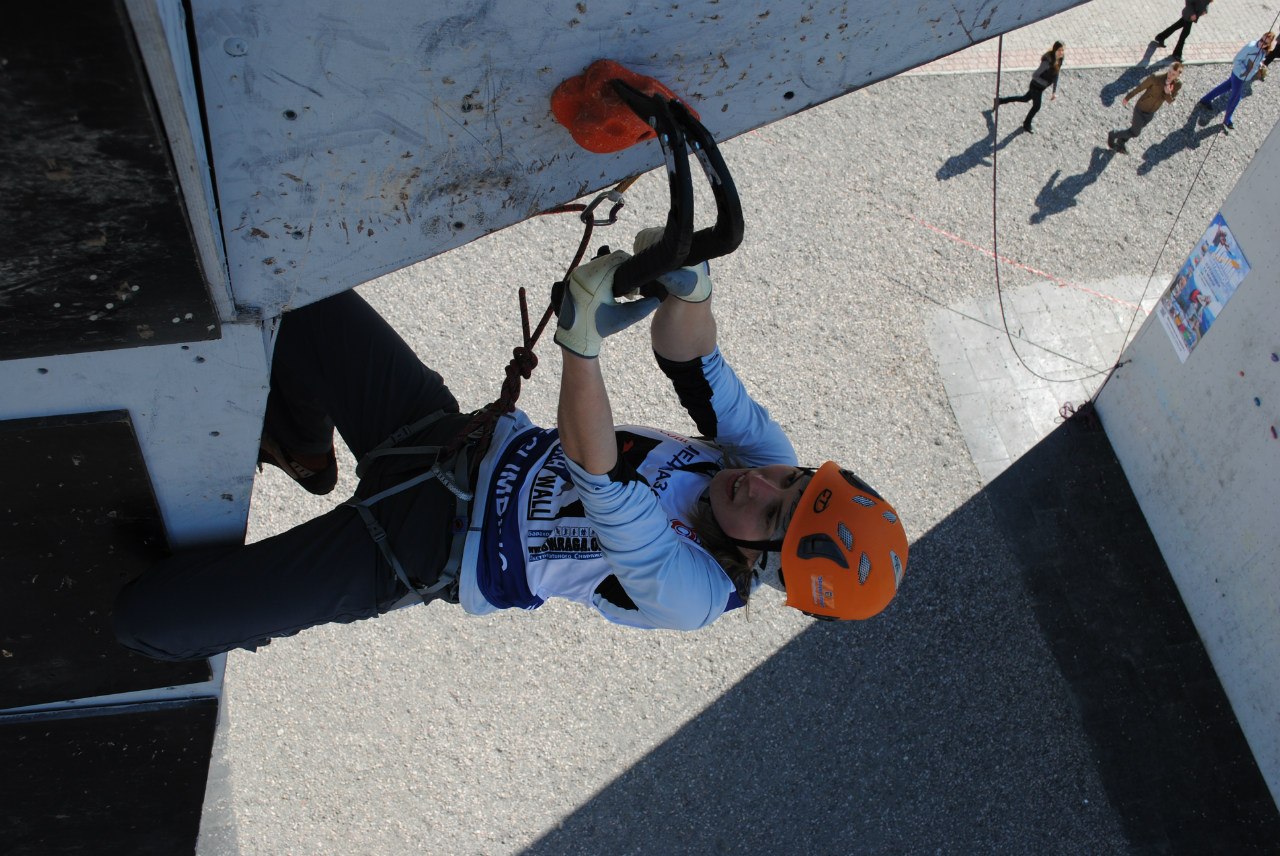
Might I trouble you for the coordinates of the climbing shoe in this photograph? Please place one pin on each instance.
(318, 475)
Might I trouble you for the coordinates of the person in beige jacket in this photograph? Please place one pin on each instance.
(1156, 91)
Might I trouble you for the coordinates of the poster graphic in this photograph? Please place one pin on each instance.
(1208, 279)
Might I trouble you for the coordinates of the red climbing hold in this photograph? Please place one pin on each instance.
(593, 113)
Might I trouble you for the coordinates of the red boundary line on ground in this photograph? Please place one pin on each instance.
(1062, 283)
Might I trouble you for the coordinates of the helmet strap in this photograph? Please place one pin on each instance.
(763, 546)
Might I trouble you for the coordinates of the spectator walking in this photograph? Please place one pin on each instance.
(1248, 65)
(1193, 11)
(1043, 77)
(1156, 91)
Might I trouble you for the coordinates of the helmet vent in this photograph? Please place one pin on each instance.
(846, 537)
(897, 569)
(864, 569)
(891, 517)
(820, 546)
(864, 501)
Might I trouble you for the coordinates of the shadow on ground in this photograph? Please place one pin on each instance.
(1131, 77)
(1059, 195)
(1195, 130)
(1029, 692)
(978, 154)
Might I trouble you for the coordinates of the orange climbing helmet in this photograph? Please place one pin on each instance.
(844, 550)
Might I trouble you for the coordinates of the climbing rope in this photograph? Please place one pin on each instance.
(995, 230)
(1068, 411)
(523, 359)
(1160, 255)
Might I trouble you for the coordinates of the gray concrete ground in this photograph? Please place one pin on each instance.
(861, 309)
(1107, 33)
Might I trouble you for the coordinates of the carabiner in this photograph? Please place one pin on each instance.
(614, 196)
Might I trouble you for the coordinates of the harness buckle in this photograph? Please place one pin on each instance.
(446, 478)
(376, 532)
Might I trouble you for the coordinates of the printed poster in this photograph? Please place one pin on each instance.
(1202, 288)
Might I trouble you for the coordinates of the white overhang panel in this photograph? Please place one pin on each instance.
(352, 140)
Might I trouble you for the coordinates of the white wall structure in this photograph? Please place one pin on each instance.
(349, 141)
(345, 142)
(197, 410)
(1198, 443)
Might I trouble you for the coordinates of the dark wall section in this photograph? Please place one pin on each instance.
(77, 520)
(107, 781)
(1170, 751)
(96, 251)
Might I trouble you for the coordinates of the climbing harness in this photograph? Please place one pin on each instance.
(678, 130)
(454, 474)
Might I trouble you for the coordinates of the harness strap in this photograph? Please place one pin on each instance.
(461, 520)
(379, 536)
(404, 432)
(454, 481)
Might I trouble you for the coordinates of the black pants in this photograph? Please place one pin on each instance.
(1184, 25)
(337, 363)
(1033, 94)
(1140, 120)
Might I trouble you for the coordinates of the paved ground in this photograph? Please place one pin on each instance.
(862, 309)
(1107, 33)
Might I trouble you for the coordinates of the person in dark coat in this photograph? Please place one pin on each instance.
(1193, 11)
(1043, 77)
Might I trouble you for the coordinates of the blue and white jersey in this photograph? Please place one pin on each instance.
(1248, 60)
(543, 527)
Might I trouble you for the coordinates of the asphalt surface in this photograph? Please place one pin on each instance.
(942, 726)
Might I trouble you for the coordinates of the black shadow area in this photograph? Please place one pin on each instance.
(1132, 76)
(950, 724)
(1058, 195)
(97, 253)
(979, 152)
(80, 520)
(1195, 130)
(1168, 747)
(107, 781)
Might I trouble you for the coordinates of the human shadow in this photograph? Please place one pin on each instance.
(1057, 196)
(1131, 77)
(1198, 127)
(978, 154)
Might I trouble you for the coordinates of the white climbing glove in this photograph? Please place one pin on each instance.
(588, 310)
(690, 284)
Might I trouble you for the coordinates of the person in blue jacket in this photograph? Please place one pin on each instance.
(1249, 64)
(649, 528)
